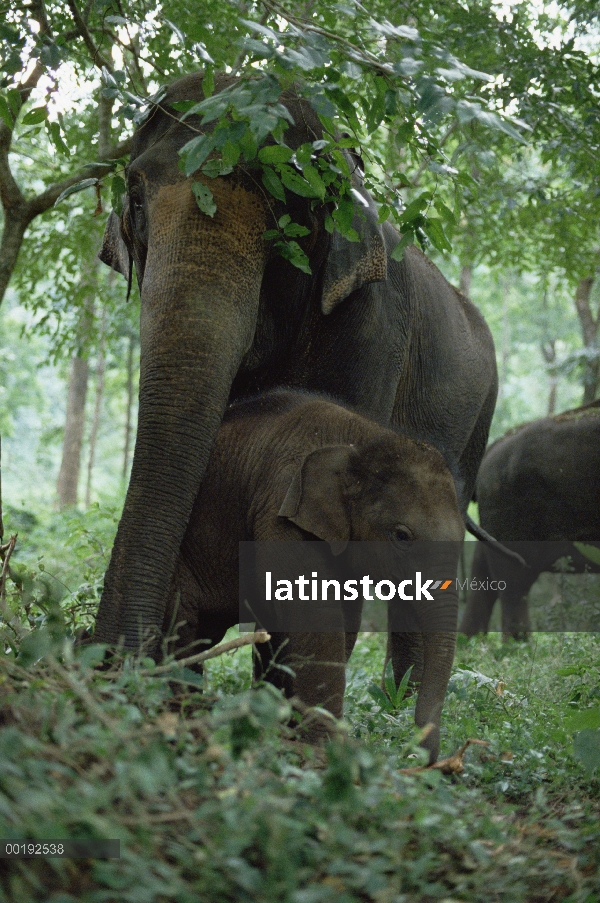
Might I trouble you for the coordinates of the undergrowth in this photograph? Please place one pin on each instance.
(214, 798)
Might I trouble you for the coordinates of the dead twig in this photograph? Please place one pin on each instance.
(259, 636)
(452, 765)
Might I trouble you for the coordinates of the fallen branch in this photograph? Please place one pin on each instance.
(451, 765)
(259, 636)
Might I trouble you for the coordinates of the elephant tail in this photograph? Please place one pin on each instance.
(478, 531)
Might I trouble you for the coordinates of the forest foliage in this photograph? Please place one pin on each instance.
(478, 126)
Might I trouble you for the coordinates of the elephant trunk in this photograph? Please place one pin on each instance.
(439, 641)
(198, 319)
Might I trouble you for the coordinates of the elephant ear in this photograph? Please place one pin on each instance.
(352, 264)
(114, 251)
(315, 499)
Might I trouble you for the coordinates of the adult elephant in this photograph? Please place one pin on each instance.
(538, 492)
(223, 317)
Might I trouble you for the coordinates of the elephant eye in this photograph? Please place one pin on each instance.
(139, 214)
(401, 534)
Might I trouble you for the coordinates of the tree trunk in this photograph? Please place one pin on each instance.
(129, 407)
(68, 477)
(15, 224)
(589, 330)
(100, 368)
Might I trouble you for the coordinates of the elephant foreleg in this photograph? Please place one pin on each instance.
(310, 666)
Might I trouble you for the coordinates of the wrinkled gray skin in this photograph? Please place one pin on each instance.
(539, 482)
(290, 466)
(224, 317)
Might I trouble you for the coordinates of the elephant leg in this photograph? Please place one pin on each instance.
(350, 644)
(480, 601)
(310, 666)
(187, 628)
(405, 650)
(515, 609)
(515, 617)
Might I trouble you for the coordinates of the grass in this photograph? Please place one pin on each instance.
(214, 799)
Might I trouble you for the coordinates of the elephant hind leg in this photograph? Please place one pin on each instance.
(480, 601)
(515, 608)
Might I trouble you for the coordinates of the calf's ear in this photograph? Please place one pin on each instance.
(315, 499)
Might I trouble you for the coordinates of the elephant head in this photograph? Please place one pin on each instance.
(217, 305)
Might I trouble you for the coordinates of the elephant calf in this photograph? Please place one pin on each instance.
(293, 466)
(538, 491)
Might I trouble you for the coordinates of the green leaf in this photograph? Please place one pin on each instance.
(53, 129)
(413, 210)
(296, 183)
(304, 153)
(292, 251)
(230, 153)
(33, 117)
(388, 679)
(117, 193)
(380, 698)
(444, 211)
(586, 745)
(341, 162)
(91, 656)
(406, 240)
(14, 100)
(249, 145)
(314, 180)
(272, 183)
(35, 646)
(295, 230)
(435, 233)
(195, 152)
(182, 106)
(215, 168)
(344, 214)
(275, 153)
(204, 198)
(72, 189)
(591, 552)
(375, 109)
(402, 687)
(5, 112)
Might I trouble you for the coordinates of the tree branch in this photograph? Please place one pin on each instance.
(355, 53)
(97, 57)
(48, 198)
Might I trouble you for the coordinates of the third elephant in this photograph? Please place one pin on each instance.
(538, 491)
